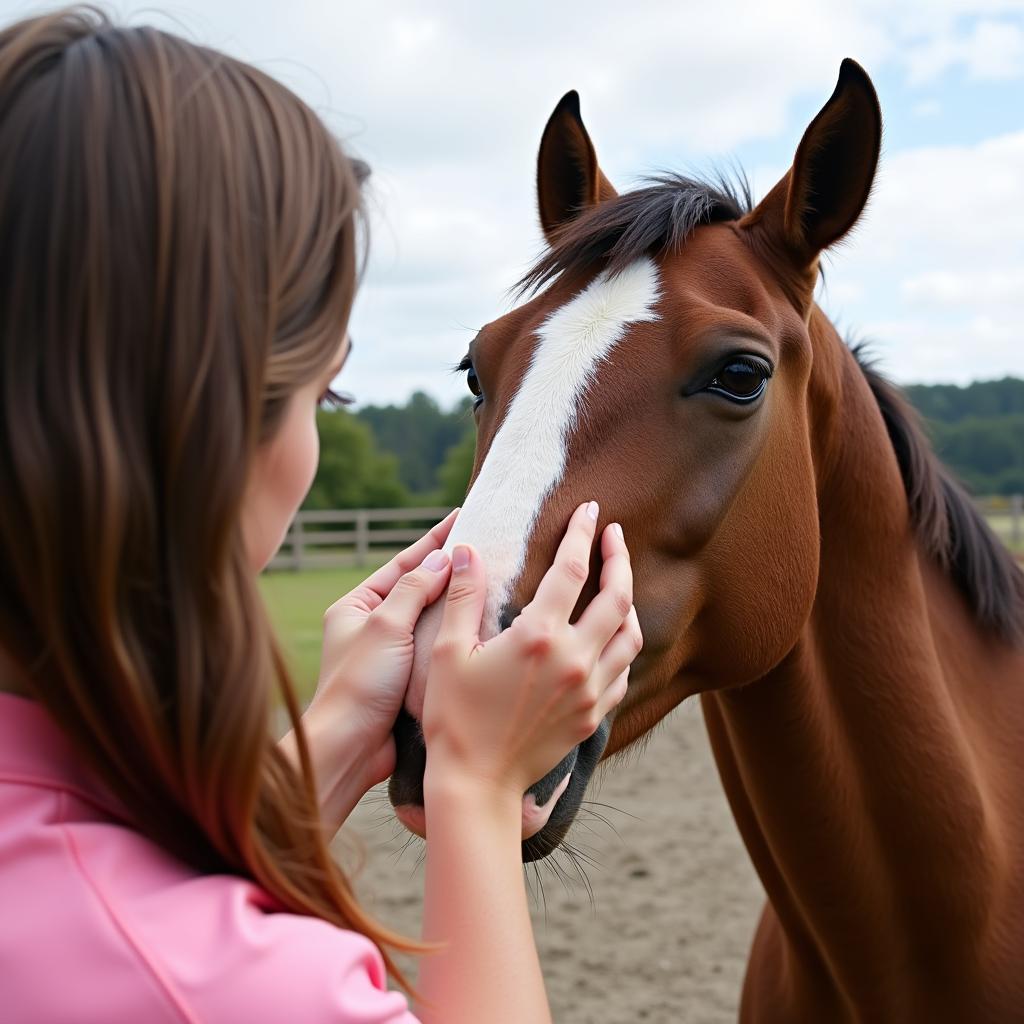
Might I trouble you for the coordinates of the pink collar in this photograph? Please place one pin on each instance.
(36, 751)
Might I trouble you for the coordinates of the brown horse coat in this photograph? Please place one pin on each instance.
(802, 562)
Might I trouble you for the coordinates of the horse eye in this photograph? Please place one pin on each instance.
(473, 382)
(741, 380)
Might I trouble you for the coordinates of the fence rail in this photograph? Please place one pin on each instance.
(1006, 517)
(349, 537)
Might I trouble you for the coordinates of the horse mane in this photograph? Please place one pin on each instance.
(648, 220)
(948, 524)
(660, 217)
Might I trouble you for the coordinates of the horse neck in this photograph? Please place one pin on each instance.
(856, 769)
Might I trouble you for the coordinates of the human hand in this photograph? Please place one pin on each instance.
(364, 670)
(505, 712)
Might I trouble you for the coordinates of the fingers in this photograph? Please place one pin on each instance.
(622, 649)
(404, 604)
(612, 696)
(405, 561)
(560, 588)
(609, 609)
(601, 700)
(459, 632)
(614, 664)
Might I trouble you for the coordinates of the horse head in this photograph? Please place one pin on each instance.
(659, 363)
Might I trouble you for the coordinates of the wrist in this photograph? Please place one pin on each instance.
(451, 782)
(468, 811)
(340, 755)
(335, 729)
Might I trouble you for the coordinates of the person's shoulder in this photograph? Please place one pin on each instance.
(234, 958)
(222, 950)
(140, 935)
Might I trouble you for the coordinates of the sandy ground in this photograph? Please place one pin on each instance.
(663, 938)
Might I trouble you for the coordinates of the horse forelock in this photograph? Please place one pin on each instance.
(657, 218)
(528, 456)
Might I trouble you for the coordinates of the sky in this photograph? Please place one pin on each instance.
(447, 102)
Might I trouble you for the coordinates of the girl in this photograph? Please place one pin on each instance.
(177, 265)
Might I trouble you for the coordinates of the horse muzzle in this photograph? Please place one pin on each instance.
(549, 805)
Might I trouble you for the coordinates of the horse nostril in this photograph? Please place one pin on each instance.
(406, 783)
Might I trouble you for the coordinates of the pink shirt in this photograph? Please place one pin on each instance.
(98, 925)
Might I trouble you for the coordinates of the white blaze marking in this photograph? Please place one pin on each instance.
(526, 460)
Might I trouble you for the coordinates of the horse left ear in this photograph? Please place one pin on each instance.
(568, 177)
(824, 192)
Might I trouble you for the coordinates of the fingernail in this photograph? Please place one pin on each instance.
(618, 530)
(435, 561)
(592, 510)
(460, 558)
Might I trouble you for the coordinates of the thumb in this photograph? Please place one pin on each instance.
(464, 606)
(402, 607)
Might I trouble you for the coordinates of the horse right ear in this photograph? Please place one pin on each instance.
(568, 178)
(824, 192)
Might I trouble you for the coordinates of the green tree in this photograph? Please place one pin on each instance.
(986, 453)
(950, 403)
(457, 468)
(352, 472)
(419, 433)
(977, 430)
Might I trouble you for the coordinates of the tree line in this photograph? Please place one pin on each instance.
(394, 456)
(978, 431)
(418, 453)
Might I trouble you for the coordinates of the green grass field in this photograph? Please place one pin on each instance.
(1003, 527)
(297, 602)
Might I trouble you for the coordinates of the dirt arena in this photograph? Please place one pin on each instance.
(664, 937)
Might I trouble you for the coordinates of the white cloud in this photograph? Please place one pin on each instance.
(940, 261)
(927, 108)
(967, 287)
(990, 50)
(939, 199)
(947, 350)
(447, 102)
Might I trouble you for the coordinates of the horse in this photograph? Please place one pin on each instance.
(803, 563)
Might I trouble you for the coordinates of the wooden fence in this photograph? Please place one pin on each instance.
(1006, 517)
(353, 537)
(347, 537)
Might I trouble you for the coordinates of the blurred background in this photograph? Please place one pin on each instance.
(652, 919)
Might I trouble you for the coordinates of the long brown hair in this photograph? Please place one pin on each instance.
(178, 254)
